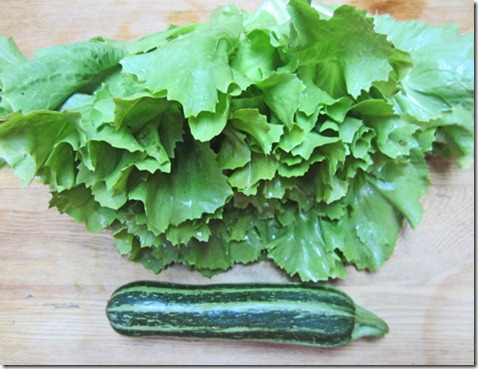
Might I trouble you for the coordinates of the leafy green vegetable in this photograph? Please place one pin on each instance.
(297, 134)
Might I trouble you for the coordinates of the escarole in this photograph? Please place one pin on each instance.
(296, 134)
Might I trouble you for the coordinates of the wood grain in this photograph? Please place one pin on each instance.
(55, 277)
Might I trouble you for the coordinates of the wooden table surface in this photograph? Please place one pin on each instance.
(55, 277)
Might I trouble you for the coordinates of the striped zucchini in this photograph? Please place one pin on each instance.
(293, 313)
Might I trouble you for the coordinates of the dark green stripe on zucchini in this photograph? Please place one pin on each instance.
(294, 313)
